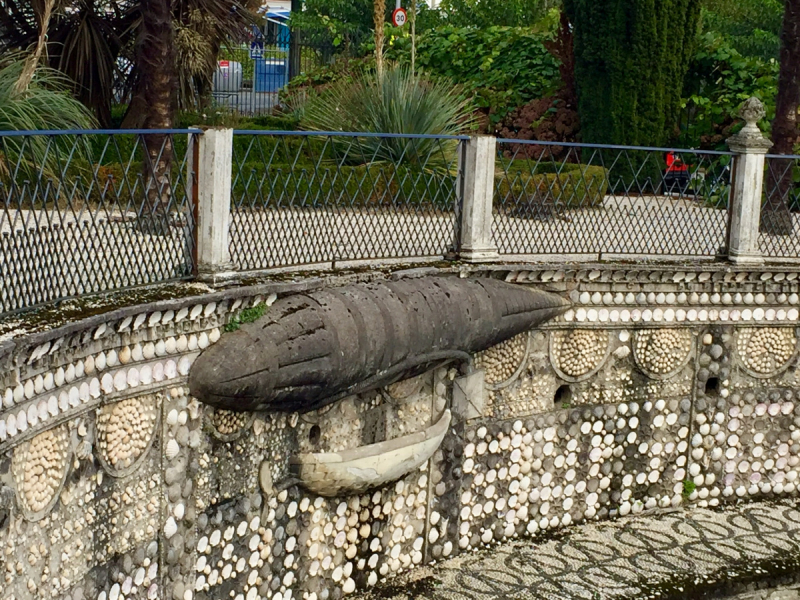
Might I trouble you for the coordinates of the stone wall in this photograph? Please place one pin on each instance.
(659, 388)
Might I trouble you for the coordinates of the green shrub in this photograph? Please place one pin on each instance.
(272, 122)
(281, 149)
(720, 79)
(377, 184)
(574, 186)
(499, 68)
(398, 102)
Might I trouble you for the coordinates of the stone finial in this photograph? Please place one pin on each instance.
(752, 111)
(750, 138)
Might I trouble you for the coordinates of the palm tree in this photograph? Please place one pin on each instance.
(97, 45)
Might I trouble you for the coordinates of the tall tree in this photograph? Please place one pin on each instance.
(155, 58)
(631, 57)
(775, 216)
(96, 43)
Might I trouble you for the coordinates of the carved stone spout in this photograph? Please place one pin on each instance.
(312, 349)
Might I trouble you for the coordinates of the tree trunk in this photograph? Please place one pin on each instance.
(776, 218)
(295, 66)
(379, 18)
(156, 65)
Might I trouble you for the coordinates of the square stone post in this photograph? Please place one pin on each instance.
(214, 206)
(750, 146)
(476, 167)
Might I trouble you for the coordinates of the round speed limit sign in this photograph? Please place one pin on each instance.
(399, 17)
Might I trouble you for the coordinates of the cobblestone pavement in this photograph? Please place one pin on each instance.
(674, 554)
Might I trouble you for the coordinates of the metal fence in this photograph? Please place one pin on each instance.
(779, 235)
(323, 198)
(89, 212)
(556, 198)
(249, 77)
(86, 212)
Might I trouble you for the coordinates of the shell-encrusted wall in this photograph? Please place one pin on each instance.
(40, 467)
(503, 361)
(660, 352)
(578, 353)
(660, 388)
(125, 430)
(766, 351)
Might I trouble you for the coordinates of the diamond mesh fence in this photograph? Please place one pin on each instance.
(89, 212)
(322, 198)
(583, 199)
(780, 222)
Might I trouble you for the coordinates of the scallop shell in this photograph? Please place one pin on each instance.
(170, 527)
(172, 449)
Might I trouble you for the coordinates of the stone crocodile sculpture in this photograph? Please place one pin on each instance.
(313, 349)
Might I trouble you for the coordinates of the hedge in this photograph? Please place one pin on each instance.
(377, 184)
(519, 184)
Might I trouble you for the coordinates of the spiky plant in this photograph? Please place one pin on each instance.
(45, 103)
(398, 102)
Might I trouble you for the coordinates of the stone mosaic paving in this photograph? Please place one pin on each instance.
(628, 558)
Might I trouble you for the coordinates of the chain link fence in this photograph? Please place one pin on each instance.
(779, 227)
(89, 212)
(582, 199)
(325, 198)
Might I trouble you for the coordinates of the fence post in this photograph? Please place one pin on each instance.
(214, 206)
(749, 146)
(477, 170)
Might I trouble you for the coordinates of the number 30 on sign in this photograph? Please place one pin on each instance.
(399, 17)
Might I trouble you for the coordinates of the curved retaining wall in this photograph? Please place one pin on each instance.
(659, 387)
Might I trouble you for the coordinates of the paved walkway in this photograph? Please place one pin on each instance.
(664, 555)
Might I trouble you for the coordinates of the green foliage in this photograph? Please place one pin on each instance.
(248, 315)
(719, 80)
(630, 60)
(522, 182)
(329, 184)
(751, 27)
(488, 13)
(497, 69)
(689, 487)
(45, 104)
(500, 68)
(396, 103)
(341, 24)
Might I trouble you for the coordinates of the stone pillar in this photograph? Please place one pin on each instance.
(214, 206)
(476, 166)
(750, 146)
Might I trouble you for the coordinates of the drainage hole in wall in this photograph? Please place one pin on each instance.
(562, 397)
(314, 434)
(712, 386)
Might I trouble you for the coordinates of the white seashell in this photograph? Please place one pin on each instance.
(172, 449)
(170, 527)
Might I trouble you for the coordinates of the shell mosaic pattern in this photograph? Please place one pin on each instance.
(626, 443)
(766, 350)
(69, 375)
(124, 431)
(228, 423)
(502, 361)
(578, 352)
(40, 466)
(662, 351)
